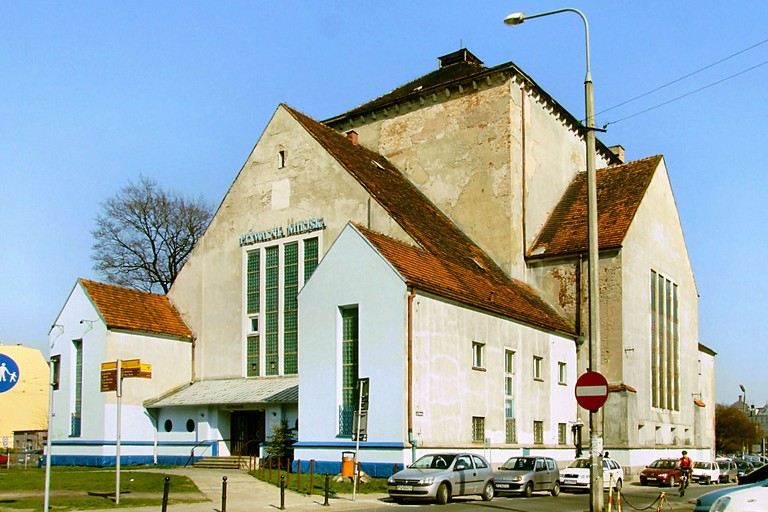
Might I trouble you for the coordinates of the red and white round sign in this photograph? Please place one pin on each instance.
(591, 391)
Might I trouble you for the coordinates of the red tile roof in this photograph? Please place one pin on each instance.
(133, 310)
(447, 263)
(620, 189)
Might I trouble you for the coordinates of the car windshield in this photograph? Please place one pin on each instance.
(580, 463)
(663, 464)
(519, 464)
(701, 465)
(434, 462)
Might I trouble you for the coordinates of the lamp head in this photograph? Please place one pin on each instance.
(742, 387)
(515, 18)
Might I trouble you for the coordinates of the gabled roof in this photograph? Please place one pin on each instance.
(134, 310)
(447, 262)
(620, 189)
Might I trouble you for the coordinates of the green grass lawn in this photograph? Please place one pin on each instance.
(300, 483)
(80, 480)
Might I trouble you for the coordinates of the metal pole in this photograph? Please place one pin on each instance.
(282, 492)
(355, 469)
(119, 392)
(46, 499)
(166, 489)
(224, 494)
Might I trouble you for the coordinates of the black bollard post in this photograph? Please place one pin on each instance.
(327, 491)
(223, 494)
(282, 492)
(165, 493)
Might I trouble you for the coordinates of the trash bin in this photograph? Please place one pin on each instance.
(348, 464)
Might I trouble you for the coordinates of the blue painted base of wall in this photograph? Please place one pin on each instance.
(373, 469)
(125, 460)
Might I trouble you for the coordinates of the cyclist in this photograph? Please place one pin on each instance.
(686, 468)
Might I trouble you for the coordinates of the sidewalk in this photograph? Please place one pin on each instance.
(246, 493)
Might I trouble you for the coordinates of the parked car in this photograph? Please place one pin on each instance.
(576, 475)
(661, 472)
(728, 470)
(705, 501)
(526, 475)
(440, 476)
(754, 499)
(758, 475)
(705, 472)
(743, 467)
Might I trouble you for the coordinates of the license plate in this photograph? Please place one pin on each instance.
(404, 487)
(502, 486)
(569, 481)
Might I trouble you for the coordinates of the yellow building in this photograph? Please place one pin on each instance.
(23, 391)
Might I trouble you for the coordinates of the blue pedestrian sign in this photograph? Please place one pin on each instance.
(9, 373)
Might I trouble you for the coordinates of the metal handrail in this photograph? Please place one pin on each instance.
(192, 452)
(239, 452)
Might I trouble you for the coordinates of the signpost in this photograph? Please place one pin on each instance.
(112, 375)
(591, 391)
(360, 426)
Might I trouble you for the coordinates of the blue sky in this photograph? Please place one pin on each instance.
(94, 93)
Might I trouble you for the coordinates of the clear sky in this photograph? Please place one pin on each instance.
(94, 93)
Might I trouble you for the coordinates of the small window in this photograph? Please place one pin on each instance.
(190, 425)
(479, 463)
(281, 159)
(168, 425)
(540, 465)
(477, 355)
(538, 432)
(562, 437)
(253, 324)
(551, 464)
(562, 373)
(478, 429)
(537, 368)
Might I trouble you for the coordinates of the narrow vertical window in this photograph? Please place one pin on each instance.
(509, 397)
(252, 356)
(477, 355)
(271, 291)
(562, 373)
(538, 432)
(537, 368)
(349, 375)
(478, 429)
(291, 309)
(665, 343)
(78, 402)
(281, 159)
(654, 345)
(562, 436)
(252, 282)
(310, 257)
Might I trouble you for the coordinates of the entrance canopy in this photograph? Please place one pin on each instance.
(231, 391)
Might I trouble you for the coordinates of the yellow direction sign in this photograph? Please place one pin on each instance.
(128, 368)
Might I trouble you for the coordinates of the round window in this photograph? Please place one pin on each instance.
(168, 425)
(190, 425)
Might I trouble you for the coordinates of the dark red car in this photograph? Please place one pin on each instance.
(661, 472)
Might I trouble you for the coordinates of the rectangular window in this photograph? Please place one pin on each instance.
(538, 432)
(478, 429)
(509, 397)
(349, 371)
(510, 427)
(665, 343)
(310, 257)
(477, 355)
(271, 309)
(562, 433)
(78, 402)
(537, 368)
(562, 373)
(291, 309)
(252, 357)
(252, 282)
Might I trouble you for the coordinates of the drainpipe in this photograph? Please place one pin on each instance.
(411, 439)
(192, 373)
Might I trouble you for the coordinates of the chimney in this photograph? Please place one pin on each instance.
(618, 151)
(352, 136)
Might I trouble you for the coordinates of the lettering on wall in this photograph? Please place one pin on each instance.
(297, 228)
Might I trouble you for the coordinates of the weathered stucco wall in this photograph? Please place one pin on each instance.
(448, 391)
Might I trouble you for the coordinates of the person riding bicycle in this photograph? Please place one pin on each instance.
(686, 465)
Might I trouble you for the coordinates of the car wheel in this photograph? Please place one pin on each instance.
(397, 500)
(528, 490)
(707, 480)
(643, 482)
(487, 492)
(618, 485)
(556, 489)
(443, 495)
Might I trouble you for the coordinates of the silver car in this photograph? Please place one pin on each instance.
(440, 476)
(527, 474)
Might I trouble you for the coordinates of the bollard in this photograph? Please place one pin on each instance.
(282, 492)
(311, 475)
(298, 477)
(224, 494)
(327, 491)
(166, 488)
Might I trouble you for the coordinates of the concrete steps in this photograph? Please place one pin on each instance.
(228, 462)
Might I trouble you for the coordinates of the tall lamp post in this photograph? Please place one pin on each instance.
(595, 417)
(744, 407)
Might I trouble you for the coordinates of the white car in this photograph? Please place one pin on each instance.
(754, 499)
(576, 475)
(705, 472)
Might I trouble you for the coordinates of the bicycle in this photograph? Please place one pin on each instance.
(685, 477)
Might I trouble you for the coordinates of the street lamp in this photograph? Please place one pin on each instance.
(596, 417)
(743, 406)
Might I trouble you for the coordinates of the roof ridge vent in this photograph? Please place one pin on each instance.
(457, 57)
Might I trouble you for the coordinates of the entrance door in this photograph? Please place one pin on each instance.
(247, 432)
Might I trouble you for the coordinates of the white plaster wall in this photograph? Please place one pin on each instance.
(449, 392)
(352, 273)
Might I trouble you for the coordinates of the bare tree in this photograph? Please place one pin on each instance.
(144, 235)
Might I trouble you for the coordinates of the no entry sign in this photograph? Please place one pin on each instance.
(591, 391)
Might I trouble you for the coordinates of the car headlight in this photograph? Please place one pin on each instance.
(517, 479)
(721, 504)
(427, 480)
(391, 480)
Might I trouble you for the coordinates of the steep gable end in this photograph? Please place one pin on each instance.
(134, 310)
(620, 189)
